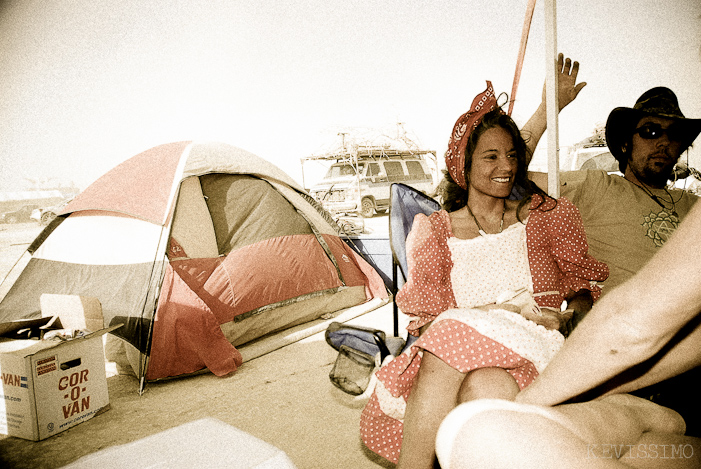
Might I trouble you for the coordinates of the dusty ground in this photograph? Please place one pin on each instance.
(284, 398)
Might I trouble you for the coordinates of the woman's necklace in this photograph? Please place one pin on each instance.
(659, 201)
(479, 227)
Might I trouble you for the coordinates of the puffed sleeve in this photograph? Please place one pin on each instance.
(562, 233)
(428, 290)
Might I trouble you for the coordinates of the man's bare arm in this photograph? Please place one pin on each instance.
(681, 354)
(633, 323)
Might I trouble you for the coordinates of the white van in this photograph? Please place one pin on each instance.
(361, 184)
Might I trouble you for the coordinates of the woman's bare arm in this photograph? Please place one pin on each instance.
(568, 89)
(533, 130)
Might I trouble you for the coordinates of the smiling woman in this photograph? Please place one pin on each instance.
(494, 164)
(487, 280)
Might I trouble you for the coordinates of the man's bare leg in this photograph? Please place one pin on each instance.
(603, 433)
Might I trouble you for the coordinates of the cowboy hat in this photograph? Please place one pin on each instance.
(659, 101)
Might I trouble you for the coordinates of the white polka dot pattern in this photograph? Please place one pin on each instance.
(488, 265)
(533, 342)
(556, 259)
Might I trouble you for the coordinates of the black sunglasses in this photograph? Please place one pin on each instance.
(652, 131)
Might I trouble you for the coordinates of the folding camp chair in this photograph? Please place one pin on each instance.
(405, 203)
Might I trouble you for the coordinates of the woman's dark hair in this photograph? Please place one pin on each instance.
(455, 197)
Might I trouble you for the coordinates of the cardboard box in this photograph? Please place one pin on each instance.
(48, 386)
(75, 312)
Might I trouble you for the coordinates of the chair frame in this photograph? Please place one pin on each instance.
(430, 206)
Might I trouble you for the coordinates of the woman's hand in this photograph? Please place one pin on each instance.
(567, 86)
(567, 91)
(580, 302)
(550, 318)
(506, 306)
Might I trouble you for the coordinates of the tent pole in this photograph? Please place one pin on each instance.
(551, 98)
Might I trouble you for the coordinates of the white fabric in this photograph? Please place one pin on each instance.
(394, 407)
(175, 185)
(202, 443)
(484, 270)
(486, 266)
(218, 157)
(526, 338)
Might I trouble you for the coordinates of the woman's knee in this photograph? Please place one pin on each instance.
(488, 383)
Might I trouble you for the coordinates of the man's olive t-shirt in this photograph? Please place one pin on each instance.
(625, 227)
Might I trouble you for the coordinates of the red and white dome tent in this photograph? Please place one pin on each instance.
(195, 248)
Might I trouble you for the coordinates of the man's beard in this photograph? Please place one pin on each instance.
(656, 177)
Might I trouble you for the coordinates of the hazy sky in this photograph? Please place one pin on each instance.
(86, 84)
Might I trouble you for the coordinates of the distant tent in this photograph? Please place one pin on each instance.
(194, 248)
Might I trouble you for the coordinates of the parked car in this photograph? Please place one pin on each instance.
(21, 215)
(360, 183)
(45, 215)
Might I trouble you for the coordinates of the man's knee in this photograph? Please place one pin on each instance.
(480, 439)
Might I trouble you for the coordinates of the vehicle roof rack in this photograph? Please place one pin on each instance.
(363, 152)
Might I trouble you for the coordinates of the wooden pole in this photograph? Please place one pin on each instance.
(521, 52)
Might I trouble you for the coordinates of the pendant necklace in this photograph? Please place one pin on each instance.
(479, 227)
(658, 201)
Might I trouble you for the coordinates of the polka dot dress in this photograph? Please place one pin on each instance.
(449, 277)
(507, 260)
